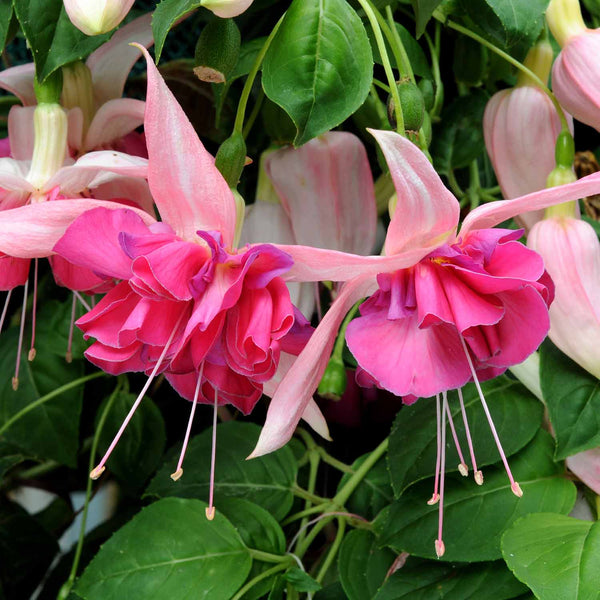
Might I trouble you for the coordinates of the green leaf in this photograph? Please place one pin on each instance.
(458, 139)
(141, 447)
(53, 39)
(26, 551)
(423, 580)
(413, 440)
(169, 550)
(50, 431)
(166, 14)
(572, 396)
(266, 481)
(476, 516)
(258, 530)
(319, 65)
(374, 491)
(362, 564)
(6, 11)
(10, 456)
(423, 12)
(558, 557)
(508, 23)
(301, 581)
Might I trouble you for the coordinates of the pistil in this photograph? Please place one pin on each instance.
(435, 498)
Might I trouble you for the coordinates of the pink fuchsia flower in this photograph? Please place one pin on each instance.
(215, 325)
(472, 287)
(576, 73)
(571, 253)
(94, 17)
(99, 117)
(226, 9)
(520, 127)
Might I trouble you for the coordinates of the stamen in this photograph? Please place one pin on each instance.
(439, 543)
(210, 509)
(69, 354)
(436, 496)
(32, 352)
(179, 471)
(462, 467)
(15, 379)
(514, 486)
(478, 474)
(5, 309)
(83, 302)
(97, 471)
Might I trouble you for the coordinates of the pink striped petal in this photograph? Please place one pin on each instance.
(491, 214)
(32, 231)
(20, 132)
(426, 213)
(111, 63)
(19, 81)
(326, 188)
(188, 189)
(298, 385)
(114, 119)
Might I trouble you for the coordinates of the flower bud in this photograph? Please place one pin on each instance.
(226, 8)
(217, 51)
(413, 106)
(334, 381)
(231, 158)
(94, 17)
(565, 20)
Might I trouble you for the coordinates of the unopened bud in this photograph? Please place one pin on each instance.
(217, 51)
(94, 17)
(334, 381)
(564, 151)
(412, 104)
(231, 157)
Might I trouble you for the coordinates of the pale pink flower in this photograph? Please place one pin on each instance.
(94, 17)
(226, 9)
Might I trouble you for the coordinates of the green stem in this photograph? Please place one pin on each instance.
(314, 532)
(57, 392)
(487, 196)
(493, 190)
(254, 114)
(381, 85)
(313, 460)
(259, 578)
(241, 111)
(38, 470)
(268, 557)
(334, 462)
(340, 341)
(515, 63)
(65, 590)
(385, 60)
(305, 495)
(303, 513)
(456, 189)
(399, 45)
(434, 51)
(342, 496)
(333, 550)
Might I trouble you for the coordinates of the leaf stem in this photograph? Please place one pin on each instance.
(242, 591)
(270, 558)
(65, 590)
(407, 67)
(333, 550)
(305, 495)
(57, 392)
(334, 462)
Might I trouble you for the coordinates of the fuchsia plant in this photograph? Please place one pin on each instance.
(97, 16)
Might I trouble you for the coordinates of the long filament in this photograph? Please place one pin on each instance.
(436, 496)
(210, 510)
(478, 474)
(514, 486)
(179, 470)
(97, 471)
(439, 543)
(32, 353)
(15, 380)
(5, 309)
(462, 467)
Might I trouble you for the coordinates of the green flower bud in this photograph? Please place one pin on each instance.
(334, 381)
(231, 158)
(217, 51)
(412, 104)
(564, 152)
(426, 87)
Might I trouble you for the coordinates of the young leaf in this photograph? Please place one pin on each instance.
(572, 396)
(267, 480)
(558, 557)
(301, 581)
(319, 66)
(423, 11)
(166, 14)
(169, 550)
(6, 12)
(476, 516)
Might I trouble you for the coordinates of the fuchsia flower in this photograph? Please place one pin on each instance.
(571, 253)
(99, 117)
(213, 318)
(226, 9)
(576, 73)
(448, 305)
(520, 127)
(94, 17)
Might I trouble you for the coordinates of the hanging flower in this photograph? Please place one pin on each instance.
(94, 17)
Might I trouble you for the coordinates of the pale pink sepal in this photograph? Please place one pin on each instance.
(520, 127)
(19, 81)
(586, 465)
(114, 119)
(75, 130)
(226, 9)
(426, 212)
(110, 64)
(188, 189)
(20, 132)
(327, 190)
(571, 254)
(32, 231)
(314, 417)
(576, 77)
(94, 17)
(13, 177)
(296, 388)
(491, 214)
